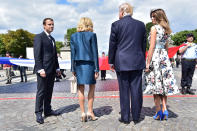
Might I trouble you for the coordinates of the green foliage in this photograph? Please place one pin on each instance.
(148, 28)
(59, 45)
(180, 37)
(70, 31)
(2, 45)
(17, 41)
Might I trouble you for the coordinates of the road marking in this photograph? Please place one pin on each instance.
(113, 96)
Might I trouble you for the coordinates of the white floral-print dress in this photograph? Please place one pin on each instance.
(160, 80)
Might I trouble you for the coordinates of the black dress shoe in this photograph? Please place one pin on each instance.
(125, 122)
(52, 113)
(39, 119)
(189, 91)
(136, 122)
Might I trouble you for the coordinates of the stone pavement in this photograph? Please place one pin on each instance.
(16, 74)
(17, 103)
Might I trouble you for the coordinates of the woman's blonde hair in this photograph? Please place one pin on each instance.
(161, 19)
(85, 24)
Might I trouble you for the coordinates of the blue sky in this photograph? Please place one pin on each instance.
(75, 3)
(66, 2)
(28, 14)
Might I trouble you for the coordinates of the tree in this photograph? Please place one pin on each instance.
(17, 41)
(148, 28)
(59, 45)
(70, 31)
(2, 45)
(180, 37)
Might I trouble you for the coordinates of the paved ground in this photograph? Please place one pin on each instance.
(17, 108)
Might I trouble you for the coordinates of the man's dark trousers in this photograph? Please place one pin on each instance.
(188, 68)
(103, 74)
(44, 93)
(23, 73)
(130, 87)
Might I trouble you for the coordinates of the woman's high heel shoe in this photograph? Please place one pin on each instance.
(158, 115)
(91, 117)
(165, 115)
(83, 117)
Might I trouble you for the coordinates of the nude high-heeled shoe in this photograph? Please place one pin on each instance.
(91, 117)
(83, 117)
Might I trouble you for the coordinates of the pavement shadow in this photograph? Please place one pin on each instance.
(104, 110)
(194, 90)
(67, 109)
(171, 113)
(147, 111)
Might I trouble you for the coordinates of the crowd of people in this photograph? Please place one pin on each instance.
(10, 70)
(126, 55)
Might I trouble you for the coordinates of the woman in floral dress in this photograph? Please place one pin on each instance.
(159, 77)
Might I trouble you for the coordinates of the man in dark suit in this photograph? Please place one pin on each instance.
(127, 47)
(46, 66)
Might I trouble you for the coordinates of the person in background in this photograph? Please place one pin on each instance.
(103, 72)
(8, 69)
(84, 64)
(172, 62)
(22, 71)
(188, 62)
(178, 60)
(58, 77)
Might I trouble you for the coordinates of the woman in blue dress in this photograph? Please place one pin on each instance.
(84, 64)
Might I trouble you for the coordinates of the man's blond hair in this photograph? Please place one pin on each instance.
(126, 8)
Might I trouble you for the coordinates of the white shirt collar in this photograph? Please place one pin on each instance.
(48, 36)
(127, 14)
(46, 33)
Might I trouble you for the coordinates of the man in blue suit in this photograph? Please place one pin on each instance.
(46, 67)
(127, 48)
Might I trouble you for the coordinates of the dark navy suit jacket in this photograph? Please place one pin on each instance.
(127, 44)
(45, 54)
(84, 47)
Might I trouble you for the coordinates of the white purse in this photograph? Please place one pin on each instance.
(73, 85)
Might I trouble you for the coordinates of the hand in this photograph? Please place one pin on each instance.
(147, 70)
(43, 74)
(58, 73)
(96, 75)
(74, 74)
(189, 45)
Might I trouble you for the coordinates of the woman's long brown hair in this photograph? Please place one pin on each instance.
(161, 19)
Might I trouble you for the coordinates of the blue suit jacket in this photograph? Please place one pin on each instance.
(84, 47)
(127, 44)
(45, 54)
